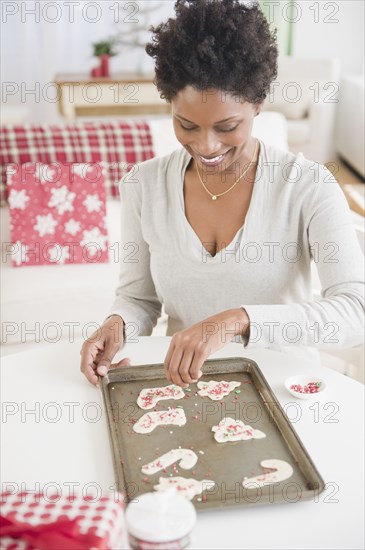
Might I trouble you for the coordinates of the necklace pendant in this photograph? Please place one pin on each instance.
(214, 197)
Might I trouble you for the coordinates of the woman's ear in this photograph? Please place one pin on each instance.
(258, 108)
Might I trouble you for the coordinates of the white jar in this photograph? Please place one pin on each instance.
(160, 521)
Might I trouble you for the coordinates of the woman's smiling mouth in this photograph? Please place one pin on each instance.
(214, 161)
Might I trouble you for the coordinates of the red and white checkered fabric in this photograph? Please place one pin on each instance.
(116, 146)
(101, 517)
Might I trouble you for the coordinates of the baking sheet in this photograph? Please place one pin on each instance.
(225, 463)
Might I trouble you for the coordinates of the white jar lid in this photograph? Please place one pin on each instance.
(160, 517)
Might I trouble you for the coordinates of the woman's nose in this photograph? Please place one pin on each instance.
(207, 144)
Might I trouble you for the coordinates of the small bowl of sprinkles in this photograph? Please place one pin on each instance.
(305, 387)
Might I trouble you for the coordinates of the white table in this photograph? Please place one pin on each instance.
(75, 449)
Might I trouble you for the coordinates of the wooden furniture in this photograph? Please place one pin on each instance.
(54, 438)
(121, 94)
(355, 195)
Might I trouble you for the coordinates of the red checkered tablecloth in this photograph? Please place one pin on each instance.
(117, 146)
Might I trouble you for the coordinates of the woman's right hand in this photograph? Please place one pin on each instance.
(98, 351)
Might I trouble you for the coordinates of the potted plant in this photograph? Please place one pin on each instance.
(104, 51)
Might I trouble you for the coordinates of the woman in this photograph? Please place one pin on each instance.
(223, 231)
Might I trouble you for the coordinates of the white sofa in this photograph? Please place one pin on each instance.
(306, 93)
(51, 303)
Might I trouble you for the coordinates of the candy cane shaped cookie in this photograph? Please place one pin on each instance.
(282, 470)
(186, 457)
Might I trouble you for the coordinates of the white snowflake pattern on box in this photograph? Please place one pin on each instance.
(45, 225)
(18, 199)
(62, 199)
(72, 227)
(94, 237)
(20, 253)
(92, 203)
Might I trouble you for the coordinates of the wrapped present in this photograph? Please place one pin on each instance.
(57, 214)
(34, 521)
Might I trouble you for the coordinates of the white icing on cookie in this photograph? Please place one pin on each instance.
(230, 429)
(188, 488)
(187, 459)
(151, 420)
(149, 397)
(216, 390)
(283, 470)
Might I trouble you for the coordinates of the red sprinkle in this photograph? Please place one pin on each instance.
(311, 387)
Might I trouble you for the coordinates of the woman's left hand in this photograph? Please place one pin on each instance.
(189, 348)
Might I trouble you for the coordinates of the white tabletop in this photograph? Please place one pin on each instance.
(54, 436)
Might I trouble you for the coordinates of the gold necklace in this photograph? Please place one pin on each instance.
(214, 197)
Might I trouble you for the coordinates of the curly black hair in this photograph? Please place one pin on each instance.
(215, 44)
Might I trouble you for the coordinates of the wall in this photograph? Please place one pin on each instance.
(331, 29)
(41, 39)
(34, 49)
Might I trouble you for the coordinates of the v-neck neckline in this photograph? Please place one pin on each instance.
(200, 246)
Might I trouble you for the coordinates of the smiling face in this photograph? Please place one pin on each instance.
(214, 127)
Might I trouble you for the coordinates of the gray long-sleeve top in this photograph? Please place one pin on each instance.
(297, 215)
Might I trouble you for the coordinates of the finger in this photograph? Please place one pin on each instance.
(89, 372)
(87, 367)
(185, 367)
(196, 366)
(88, 353)
(174, 366)
(123, 363)
(170, 351)
(104, 360)
(104, 365)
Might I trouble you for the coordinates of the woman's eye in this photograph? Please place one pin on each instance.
(191, 128)
(187, 128)
(226, 129)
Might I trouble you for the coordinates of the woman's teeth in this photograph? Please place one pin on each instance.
(213, 159)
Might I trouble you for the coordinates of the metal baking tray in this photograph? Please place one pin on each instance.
(225, 463)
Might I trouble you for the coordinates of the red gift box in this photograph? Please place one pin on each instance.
(57, 213)
(34, 521)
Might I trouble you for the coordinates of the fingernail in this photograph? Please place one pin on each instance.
(102, 370)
